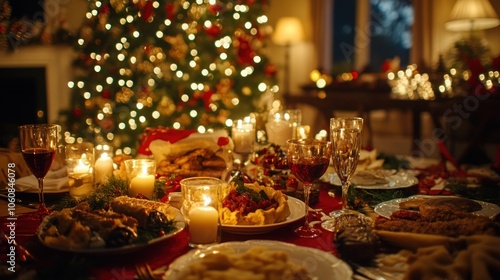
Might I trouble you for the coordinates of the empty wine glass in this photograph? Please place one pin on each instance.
(308, 160)
(345, 137)
(38, 146)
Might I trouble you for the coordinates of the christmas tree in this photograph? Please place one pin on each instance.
(173, 63)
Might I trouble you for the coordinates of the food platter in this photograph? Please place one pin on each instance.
(179, 226)
(385, 209)
(297, 211)
(319, 264)
(398, 180)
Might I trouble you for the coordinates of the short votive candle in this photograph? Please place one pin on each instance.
(200, 206)
(141, 177)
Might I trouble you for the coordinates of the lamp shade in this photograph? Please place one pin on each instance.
(468, 15)
(288, 30)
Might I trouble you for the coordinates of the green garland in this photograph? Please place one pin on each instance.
(106, 192)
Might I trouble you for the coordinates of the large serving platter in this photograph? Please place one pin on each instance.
(385, 209)
(297, 211)
(319, 264)
(179, 226)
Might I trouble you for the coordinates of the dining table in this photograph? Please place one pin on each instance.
(54, 263)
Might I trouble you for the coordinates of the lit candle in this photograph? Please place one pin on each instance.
(243, 136)
(203, 224)
(83, 166)
(279, 130)
(143, 183)
(103, 168)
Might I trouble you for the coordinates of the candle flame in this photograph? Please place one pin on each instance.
(206, 200)
(104, 155)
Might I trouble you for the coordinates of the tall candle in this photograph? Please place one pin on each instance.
(243, 135)
(279, 131)
(142, 184)
(203, 224)
(103, 168)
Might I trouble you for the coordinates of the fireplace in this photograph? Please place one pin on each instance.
(37, 80)
(24, 95)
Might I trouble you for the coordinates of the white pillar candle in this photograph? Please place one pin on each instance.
(142, 184)
(279, 131)
(103, 168)
(243, 135)
(203, 225)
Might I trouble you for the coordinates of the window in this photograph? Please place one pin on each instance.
(388, 27)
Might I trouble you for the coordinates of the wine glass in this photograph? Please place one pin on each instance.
(308, 160)
(38, 146)
(346, 145)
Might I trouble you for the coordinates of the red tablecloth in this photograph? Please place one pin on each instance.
(122, 266)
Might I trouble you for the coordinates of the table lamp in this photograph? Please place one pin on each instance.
(471, 15)
(288, 31)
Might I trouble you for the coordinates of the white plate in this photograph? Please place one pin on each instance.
(179, 226)
(320, 264)
(385, 209)
(297, 211)
(399, 180)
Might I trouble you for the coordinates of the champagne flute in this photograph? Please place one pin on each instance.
(38, 146)
(346, 145)
(308, 160)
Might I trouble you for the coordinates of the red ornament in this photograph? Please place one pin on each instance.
(77, 112)
(105, 9)
(207, 96)
(213, 31)
(214, 9)
(147, 12)
(171, 11)
(245, 52)
(270, 70)
(106, 93)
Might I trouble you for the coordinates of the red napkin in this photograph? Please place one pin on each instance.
(161, 133)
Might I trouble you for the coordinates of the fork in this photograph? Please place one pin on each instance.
(144, 272)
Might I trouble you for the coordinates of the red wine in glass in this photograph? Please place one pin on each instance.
(308, 160)
(39, 160)
(308, 171)
(38, 146)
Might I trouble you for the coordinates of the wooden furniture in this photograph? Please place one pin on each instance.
(448, 115)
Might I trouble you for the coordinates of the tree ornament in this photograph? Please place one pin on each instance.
(77, 112)
(118, 5)
(147, 12)
(166, 106)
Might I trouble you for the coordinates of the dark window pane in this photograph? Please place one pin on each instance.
(391, 22)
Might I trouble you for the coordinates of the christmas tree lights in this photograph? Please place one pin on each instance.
(175, 63)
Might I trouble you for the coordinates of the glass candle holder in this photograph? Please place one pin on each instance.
(141, 177)
(294, 117)
(201, 204)
(279, 130)
(80, 165)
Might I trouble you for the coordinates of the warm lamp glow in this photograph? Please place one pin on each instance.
(288, 30)
(469, 15)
